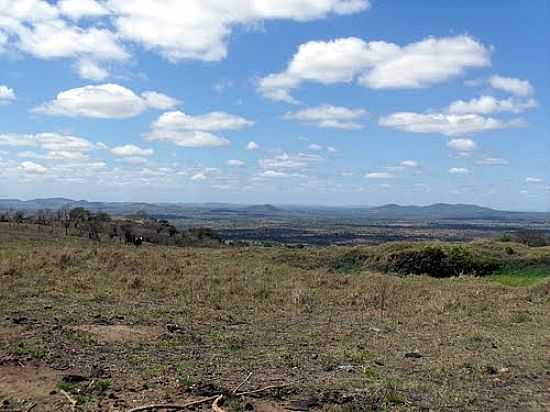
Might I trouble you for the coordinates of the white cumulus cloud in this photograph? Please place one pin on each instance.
(195, 131)
(131, 150)
(6, 94)
(105, 101)
(379, 175)
(459, 171)
(376, 64)
(492, 161)
(444, 123)
(409, 163)
(462, 145)
(327, 116)
(33, 168)
(489, 105)
(511, 85)
(235, 162)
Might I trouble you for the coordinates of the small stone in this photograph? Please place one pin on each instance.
(504, 370)
(413, 355)
(491, 370)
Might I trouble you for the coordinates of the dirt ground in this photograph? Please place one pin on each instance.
(110, 328)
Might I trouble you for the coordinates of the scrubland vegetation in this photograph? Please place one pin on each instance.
(111, 326)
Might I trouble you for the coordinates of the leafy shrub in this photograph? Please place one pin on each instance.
(439, 262)
(347, 263)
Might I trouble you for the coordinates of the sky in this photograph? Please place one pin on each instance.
(325, 102)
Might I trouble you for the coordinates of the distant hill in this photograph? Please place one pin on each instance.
(445, 211)
(227, 211)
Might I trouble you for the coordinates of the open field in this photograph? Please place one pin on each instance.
(115, 327)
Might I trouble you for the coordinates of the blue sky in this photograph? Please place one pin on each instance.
(336, 102)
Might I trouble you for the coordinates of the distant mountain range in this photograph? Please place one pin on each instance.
(439, 211)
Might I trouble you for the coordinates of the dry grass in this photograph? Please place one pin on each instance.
(282, 314)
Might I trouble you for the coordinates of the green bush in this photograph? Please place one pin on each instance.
(441, 262)
(347, 263)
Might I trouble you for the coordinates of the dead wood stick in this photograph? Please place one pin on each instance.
(176, 407)
(69, 398)
(234, 391)
(263, 389)
(215, 407)
(31, 407)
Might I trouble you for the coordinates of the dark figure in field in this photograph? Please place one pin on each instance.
(133, 239)
(129, 237)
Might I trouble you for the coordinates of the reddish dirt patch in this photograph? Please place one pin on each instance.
(121, 334)
(7, 332)
(28, 383)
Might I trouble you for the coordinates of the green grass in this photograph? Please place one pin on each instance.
(522, 276)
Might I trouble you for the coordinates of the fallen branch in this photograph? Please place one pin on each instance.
(215, 407)
(69, 398)
(263, 389)
(32, 405)
(234, 391)
(176, 407)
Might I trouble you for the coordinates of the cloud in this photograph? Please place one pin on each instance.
(33, 168)
(78, 9)
(105, 101)
(462, 145)
(90, 70)
(409, 163)
(7, 95)
(251, 146)
(209, 122)
(195, 131)
(376, 64)
(316, 147)
(459, 171)
(199, 176)
(327, 116)
(99, 30)
(131, 150)
(511, 85)
(379, 175)
(193, 138)
(49, 31)
(285, 161)
(195, 29)
(489, 105)
(133, 160)
(533, 180)
(493, 161)
(159, 101)
(52, 142)
(235, 162)
(273, 173)
(446, 124)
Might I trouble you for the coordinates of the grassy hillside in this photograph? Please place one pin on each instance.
(113, 327)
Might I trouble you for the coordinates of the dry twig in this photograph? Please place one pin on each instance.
(69, 398)
(215, 407)
(234, 391)
(263, 389)
(176, 407)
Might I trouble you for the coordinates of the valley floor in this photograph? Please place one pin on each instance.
(112, 327)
